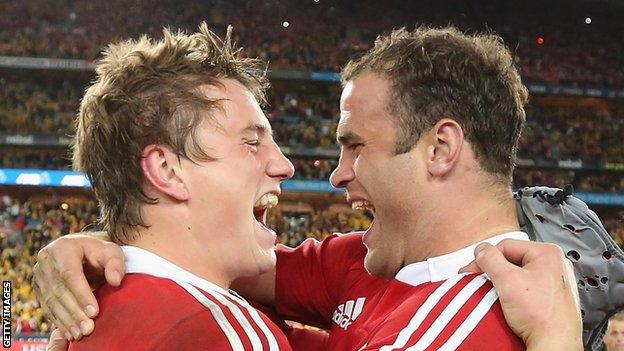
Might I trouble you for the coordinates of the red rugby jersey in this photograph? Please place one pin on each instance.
(160, 306)
(428, 306)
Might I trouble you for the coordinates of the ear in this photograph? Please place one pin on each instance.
(445, 144)
(162, 169)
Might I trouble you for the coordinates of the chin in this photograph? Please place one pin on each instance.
(265, 261)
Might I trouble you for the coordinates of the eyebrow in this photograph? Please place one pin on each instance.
(348, 138)
(259, 128)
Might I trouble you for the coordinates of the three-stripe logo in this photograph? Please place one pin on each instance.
(346, 313)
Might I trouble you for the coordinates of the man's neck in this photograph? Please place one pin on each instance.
(458, 224)
(170, 239)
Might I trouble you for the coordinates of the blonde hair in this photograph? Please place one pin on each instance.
(618, 317)
(147, 92)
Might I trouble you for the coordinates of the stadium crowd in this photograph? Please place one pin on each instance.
(25, 227)
(574, 132)
(31, 108)
(552, 47)
(553, 131)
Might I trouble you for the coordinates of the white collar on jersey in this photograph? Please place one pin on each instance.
(139, 260)
(440, 268)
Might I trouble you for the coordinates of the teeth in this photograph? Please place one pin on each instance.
(267, 201)
(362, 205)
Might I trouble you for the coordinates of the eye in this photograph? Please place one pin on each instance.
(254, 144)
(355, 146)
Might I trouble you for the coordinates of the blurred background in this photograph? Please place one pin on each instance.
(571, 56)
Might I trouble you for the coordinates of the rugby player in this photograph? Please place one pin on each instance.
(429, 126)
(184, 166)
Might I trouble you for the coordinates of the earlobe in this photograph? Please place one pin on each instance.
(163, 172)
(446, 141)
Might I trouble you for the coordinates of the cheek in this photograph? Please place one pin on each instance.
(366, 167)
(376, 174)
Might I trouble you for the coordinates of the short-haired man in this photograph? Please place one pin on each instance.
(183, 164)
(420, 114)
(614, 337)
(429, 126)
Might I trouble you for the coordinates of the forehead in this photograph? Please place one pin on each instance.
(240, 107)
(616, 325)
(364, 104)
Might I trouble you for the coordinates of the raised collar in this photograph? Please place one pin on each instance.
(139, 260)
(440, 268)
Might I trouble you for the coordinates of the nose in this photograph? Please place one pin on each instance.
(279, 166)
(343, 174)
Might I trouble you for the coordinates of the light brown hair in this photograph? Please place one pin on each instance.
(148, 92)
(438, 73)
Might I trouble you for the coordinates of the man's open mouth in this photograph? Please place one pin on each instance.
(364, 206)
(261, 206)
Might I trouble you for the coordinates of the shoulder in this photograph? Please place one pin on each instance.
(158, 314)
(458, 313)
(140, 293)
(139, 310)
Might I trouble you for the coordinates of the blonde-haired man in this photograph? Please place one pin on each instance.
(184, 167)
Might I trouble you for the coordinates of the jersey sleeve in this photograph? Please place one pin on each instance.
(310, 279)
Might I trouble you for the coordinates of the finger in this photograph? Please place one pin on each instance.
(492, 262)
(69, 303)
(63, 331)
(57, 341)
(471, 267)
(48, 313)
(70, 270)
(43, 274)
(111, 259)
(520, 252)
(63, 317)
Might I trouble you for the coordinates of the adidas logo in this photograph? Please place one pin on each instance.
(347, 312)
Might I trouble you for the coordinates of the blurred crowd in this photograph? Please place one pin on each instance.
(571, 131)
(553, 47)
(293, 228)
(31, 108)
(582, 129)
(25, 227)
(49, 159)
